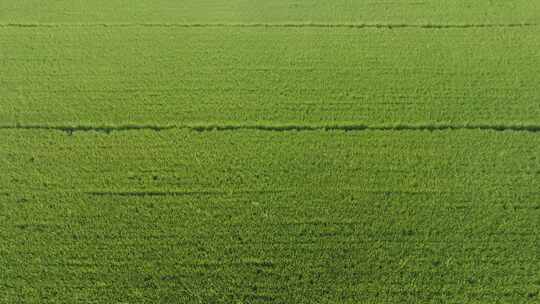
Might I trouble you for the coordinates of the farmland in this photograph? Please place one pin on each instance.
(269, 151)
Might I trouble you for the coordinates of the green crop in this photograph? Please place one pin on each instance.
(269, 151)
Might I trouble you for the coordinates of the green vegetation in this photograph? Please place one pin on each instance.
(156, 75)
(269, 151)
(258, 216)
(261, 11)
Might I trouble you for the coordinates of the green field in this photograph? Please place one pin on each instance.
(287, 151)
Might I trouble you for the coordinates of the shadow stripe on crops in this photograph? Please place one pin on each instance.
(280, 128)
(274, 25)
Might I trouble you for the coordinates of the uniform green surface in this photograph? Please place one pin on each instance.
(156, 75)
(257, 216)
(269, 151)
(277, 11)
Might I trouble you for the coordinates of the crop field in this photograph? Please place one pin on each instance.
(285, 151)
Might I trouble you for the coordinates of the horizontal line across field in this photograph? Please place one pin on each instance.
(263, 25)
(279, 128)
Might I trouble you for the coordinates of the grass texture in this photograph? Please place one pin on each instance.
(171, 75)
(269, 151)
(281, 217)
(278, 11)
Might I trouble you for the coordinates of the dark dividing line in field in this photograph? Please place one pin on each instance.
(101, 129)
(272, 25)
(280, 128)
(178, 193)
(155, 193)
(366, 128)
